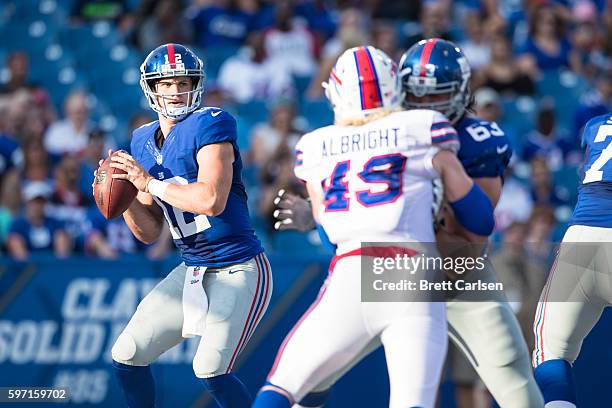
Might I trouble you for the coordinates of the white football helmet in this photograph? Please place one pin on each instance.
(363, 82)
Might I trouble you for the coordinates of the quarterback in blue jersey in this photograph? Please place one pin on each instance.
(435, 75)
(579, 285)
(187, 168)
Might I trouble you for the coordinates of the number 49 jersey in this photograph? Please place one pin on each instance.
(594, 207)
(375, 179)
(203, 241)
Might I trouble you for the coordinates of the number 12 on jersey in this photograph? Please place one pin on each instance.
(387, 169)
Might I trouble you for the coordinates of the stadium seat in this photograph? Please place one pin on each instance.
(565, 89)
(253, 112)
(213, 58)
(567, 180)
(318, 113)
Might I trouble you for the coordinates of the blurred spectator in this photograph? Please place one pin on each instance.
(352, 31)
(434, 23)
(384, 37)
(503, 73)
(67, 191)
(595, 102)
(547, 47)
(137, 120)
(277, 173)
(215, 96)
(515, 203)
(476, 45)
(68, 203)
(279, 134)
(70, 135)
(11, 155)
(395, 10)
(222, 23)
(165, 25)
(289, 42)
(547, 141)
(37, 165)
(94, 152)
(543, 191)
(260, 77)
(488, 106)
(108, 239)
(541, 225)
(584, 43)
(99, 10)
(17, 73)
(523, 278)
(319, 18)
(34, 231)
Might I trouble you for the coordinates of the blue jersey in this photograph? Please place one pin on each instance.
(10, 153)
(205, 241)
(38, 237)
(594, 207)
(485, 150)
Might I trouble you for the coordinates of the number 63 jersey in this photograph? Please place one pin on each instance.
(203, 241)
(375, 179)
(594, 207)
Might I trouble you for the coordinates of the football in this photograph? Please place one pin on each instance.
(113, 196)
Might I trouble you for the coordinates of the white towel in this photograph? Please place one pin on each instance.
(195, 302)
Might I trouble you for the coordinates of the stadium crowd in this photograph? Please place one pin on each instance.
(540, 69)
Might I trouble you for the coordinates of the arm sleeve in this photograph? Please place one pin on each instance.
(443, 134)
(216, 126)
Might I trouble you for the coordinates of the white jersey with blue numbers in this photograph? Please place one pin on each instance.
(594, 207)
(375, 179)
(205, 241)
(485, 149)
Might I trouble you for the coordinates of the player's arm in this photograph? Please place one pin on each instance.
(491, 186)
(464, 196)
(144, 218)
(209, 194)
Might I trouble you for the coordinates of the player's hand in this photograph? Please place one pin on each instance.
(292, 212)
(135, 173)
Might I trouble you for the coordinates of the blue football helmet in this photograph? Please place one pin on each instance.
(168, 61)
(434, 67)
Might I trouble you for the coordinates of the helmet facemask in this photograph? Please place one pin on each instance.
(452, 107)
(157, 101)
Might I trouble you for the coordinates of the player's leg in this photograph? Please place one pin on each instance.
(489, 335)
(470, 391)
(317, 397)
(154, 328)
(238, 297)
(572, 301)
(327, 337)
(415, 349)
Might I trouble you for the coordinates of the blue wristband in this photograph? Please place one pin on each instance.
(327, 244)
(475, 212)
